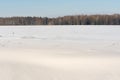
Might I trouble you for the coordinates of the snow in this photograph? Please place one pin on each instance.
(59, 53)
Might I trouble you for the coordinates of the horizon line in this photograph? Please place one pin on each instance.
(61, 16)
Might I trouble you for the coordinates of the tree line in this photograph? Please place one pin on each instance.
(65, 20)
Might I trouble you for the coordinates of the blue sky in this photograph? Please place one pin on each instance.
(55, 8)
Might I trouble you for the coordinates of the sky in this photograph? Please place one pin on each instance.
(56, 8)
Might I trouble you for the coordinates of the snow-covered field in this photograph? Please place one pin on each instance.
(59, 53)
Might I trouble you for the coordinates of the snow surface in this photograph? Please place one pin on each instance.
(59, 53)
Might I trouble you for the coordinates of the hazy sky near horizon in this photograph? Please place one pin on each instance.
(54, 8)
